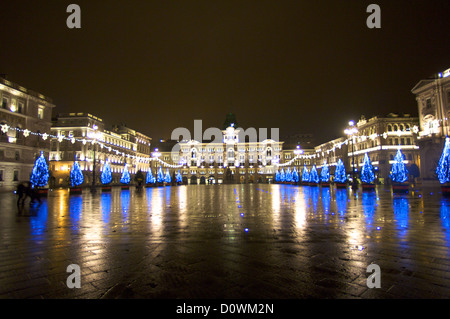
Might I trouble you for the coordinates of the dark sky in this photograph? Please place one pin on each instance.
(302, 66)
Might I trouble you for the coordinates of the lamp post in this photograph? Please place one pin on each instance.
(351, 131)
(96, 135)
(298, 151)
(156, 154)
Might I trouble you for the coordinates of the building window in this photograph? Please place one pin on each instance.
(17, 156)
(41, 113)
(1, 175)
(20, 107)
(5, 103)
(16, 176)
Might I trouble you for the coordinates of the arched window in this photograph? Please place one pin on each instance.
(395, 128)
(269, 152)
(389, 128)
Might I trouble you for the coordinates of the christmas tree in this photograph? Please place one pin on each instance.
(125, 179)
(106, 176)
(179, 179)
(39, 175)
(76, 175)
(160, 176)
(288, 175)
(314, 176)
(167, 177)
(295, 177)
(305, 175)
(399, 173)
(282, 176)
(442, 170)
(340, 175)
(150, 179)
(325, 173)
(367, 174)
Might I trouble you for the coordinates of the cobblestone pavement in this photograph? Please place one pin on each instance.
(227, 241)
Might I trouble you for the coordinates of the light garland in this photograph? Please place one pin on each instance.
(360, 138)
(26, 133)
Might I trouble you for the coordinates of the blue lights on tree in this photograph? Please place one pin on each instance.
(167, 177)
(340, 176)
(367, 174)
(39, 175)
(295, 176)
(288, 177)
(305, 175)
(282, 176)
(325, 173)
(76, 175)
(179, 178)
(125, 179)
(314, 176)
(160, 176)
(442, 170)
(106, 176)
(399, 173)
(150, 179)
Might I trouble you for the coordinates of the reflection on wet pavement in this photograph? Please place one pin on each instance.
(227, 241)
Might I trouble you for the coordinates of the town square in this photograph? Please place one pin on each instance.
(225, 156)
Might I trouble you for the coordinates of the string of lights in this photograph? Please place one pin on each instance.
(5, 128)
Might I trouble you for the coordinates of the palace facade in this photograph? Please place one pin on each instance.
(433, 103)
(22, 112)
(230, 161)
(91, 144)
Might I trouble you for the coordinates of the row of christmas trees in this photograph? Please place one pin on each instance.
(399, 173)
(40, 175)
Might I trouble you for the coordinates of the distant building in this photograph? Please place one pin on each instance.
(21, 109)
(119, 145)
(230, 161)
(380, 138)
(433, 102)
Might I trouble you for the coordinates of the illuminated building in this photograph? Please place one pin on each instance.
(22, 111)
(119, 145)
(433, 102)
(231, 160)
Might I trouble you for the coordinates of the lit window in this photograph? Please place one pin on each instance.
(41, 113)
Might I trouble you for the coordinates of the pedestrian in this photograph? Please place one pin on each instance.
(21, 192)
(34, 195)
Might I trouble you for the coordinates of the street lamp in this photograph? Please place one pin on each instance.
(298, 151)
(351, 131)
(96, 135)
(156, 154)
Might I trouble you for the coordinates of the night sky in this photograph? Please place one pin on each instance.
(302, 66)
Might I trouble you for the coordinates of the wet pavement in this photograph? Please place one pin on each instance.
(227, 241)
